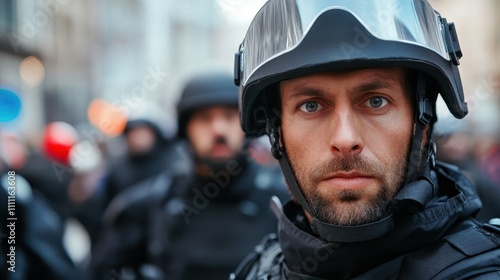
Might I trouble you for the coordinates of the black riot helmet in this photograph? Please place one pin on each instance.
(209, 89)
(148, 113)
(292, 38)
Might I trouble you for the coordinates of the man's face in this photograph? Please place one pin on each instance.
(215, 133)
(347, 135)
(140, 139)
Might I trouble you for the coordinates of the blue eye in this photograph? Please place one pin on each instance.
(310, 106)
(377, 102)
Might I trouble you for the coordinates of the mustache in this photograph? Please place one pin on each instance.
(346, 164)
(220, 140)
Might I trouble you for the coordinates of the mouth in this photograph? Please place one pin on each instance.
(220, 150)
(349, 180)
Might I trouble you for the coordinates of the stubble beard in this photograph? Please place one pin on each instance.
(347, 207)
(217, 164)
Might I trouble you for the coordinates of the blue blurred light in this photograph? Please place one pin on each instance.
(10, 105)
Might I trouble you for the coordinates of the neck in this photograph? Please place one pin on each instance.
(203, 170)
(206, 168)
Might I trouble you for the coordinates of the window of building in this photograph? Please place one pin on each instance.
(7, 16)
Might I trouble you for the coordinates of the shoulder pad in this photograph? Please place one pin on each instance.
(493, 225)
(263, 263)
(138, 194)
(461, 255)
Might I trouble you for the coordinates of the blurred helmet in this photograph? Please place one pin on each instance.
(205, 90)
(150, 114)
(290, 38)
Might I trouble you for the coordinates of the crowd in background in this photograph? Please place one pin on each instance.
(77, 179)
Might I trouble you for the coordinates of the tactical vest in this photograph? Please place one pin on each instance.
(472, 253)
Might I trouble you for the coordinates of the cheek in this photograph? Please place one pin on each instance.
(402, 130)
(301, 142)
(236, 137)
(199, 138)
(390, 141)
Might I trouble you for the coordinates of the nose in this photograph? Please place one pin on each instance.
(346, 132)
(219, 125)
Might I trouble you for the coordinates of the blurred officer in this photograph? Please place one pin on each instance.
(31, 232)
(36, 249)
(148, 135)
(201, 224)
(49, 170)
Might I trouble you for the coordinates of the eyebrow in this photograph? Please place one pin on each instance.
(374, 85)
(307, 91)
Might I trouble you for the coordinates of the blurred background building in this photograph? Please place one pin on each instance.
(59, 55)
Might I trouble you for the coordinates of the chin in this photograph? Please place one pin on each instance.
(349, 212)
(220, 159)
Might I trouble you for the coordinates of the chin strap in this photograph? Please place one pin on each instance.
(421, 181)
(423, 116)
(415, 196)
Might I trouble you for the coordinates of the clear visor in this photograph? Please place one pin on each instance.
(281, 25)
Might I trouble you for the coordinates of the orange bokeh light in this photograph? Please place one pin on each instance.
(108, 118)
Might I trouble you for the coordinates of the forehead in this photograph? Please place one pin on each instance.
(381, 77)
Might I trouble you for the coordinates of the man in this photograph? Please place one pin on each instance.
(199, 224)
(346, 92)
(31, 238)
(150, 150)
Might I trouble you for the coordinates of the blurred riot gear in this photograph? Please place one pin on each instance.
(35, 250)
(202, 91)
(197, 223)
(151, 149)
(206, 106)
(147, 113)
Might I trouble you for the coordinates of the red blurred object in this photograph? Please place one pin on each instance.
(58, 139)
